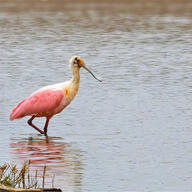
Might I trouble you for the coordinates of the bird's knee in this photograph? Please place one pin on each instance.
(29, 122)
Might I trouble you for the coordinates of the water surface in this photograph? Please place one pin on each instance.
(132, 132)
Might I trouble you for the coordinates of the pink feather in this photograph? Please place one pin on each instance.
(42, 103)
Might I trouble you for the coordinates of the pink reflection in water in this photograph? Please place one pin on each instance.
(61, 159)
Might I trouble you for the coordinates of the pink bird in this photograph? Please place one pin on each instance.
(50, 100)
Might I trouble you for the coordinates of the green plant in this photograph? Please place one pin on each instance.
(11, 176)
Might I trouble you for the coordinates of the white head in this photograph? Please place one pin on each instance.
(77, 62)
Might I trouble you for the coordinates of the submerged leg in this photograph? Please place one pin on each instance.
(32, 125)
(46, 125)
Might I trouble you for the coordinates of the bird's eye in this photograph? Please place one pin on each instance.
(77, 61)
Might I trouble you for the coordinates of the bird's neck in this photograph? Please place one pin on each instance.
(75, 76)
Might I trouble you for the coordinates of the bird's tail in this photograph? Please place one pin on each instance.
(16, 113)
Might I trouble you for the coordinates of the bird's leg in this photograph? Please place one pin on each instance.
(45, 127)
(31, 124)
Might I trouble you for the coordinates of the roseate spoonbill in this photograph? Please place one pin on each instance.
(52, 99)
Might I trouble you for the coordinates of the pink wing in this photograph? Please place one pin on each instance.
(41, 102)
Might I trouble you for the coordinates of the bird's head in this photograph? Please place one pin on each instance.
(77, 62)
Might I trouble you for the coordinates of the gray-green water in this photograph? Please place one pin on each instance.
(133, 131)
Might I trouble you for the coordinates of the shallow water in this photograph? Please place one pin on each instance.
(132, 132)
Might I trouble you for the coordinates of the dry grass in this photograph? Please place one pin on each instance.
(11, 176)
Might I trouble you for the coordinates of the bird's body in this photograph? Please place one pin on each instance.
(50, 100)
(46, 101)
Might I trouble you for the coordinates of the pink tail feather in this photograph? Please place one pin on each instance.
(16, 112)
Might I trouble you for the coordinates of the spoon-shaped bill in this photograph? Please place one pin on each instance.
(85, 67)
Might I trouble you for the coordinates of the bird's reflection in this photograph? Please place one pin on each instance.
(62, 159)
